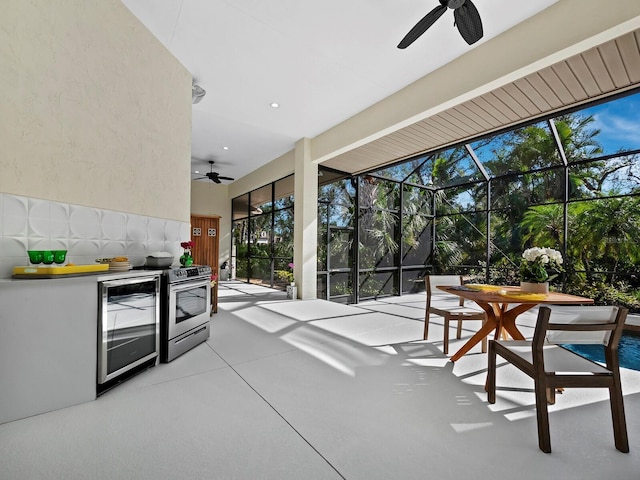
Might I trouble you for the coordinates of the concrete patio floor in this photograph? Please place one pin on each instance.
(317, 390)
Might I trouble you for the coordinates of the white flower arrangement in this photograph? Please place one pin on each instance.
(540, 265)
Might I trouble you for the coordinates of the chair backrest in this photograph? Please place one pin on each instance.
(432, 281)
(580, 325)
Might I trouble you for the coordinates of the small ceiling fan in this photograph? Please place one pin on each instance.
(214, 176)
(466, 17)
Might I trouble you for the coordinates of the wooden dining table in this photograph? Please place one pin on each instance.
(502, 306)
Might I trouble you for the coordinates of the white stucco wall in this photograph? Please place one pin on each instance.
(95, 111)
(272, 171)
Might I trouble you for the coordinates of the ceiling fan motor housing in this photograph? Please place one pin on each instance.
(453, 4)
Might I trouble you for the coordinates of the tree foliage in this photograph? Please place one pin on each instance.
(549, 185)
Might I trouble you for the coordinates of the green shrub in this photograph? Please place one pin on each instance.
(607, 294)
(284, 275)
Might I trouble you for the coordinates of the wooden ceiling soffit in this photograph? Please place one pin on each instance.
(599, 72)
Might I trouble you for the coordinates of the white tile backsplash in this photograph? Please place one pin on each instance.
(110, 248)
(84, 222)
(39, 218)
(86, 248)
(137, 228)
(15, 216)
(156, 246)
(185, 232)
(14, 247)
(59, 220)
(114, 226)
(135, 248)
(156, 229)
(172, 232)
(48, 244)
(87, 233)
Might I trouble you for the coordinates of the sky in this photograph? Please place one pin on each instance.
(619, 123)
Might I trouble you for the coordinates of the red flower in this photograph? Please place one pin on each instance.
(188, 245)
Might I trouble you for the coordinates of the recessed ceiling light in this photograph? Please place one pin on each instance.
(275, 105)
(225, 148)
(196, 171)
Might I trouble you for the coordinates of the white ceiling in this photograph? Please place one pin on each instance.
(322, 61)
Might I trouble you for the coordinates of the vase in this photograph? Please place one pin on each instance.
(186, 260)
(532, 287)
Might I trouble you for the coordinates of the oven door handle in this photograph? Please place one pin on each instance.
(129, 281)
(187, 285)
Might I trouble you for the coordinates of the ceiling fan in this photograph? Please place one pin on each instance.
(214, 176)
(466, 17)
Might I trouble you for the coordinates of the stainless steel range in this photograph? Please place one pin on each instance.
(186, 310)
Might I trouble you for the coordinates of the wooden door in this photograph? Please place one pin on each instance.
(204, 234)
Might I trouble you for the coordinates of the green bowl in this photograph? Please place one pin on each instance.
(59, 256)
(35, 256)
(47, 256)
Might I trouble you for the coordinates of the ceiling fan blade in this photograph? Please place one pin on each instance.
(215, 179)
(226, 178)
(422, 26)
(468, 22)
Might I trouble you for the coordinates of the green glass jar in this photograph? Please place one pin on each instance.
(186, 260)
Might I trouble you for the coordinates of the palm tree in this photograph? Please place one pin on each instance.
(608, 236)
(543, 226)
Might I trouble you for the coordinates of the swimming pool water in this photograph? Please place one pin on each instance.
(628, 351)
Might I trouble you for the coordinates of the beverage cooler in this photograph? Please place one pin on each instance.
(129, 327)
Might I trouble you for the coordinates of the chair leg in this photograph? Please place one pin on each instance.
(484, 340)
(542, 414)
(618, 417)
(490, 386)
(459, 330)
(426, 326)
(445, 345)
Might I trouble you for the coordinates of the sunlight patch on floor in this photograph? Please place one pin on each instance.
(309, 310)
(270, 324)
(521, 415)
(323, 355)
(468, 427)
(341, 355)
(388, 349)
(429, 362)
(266, 321)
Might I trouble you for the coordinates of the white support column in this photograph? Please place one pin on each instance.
(305, 218)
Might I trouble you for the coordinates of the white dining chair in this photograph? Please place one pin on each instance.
(450, 307)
